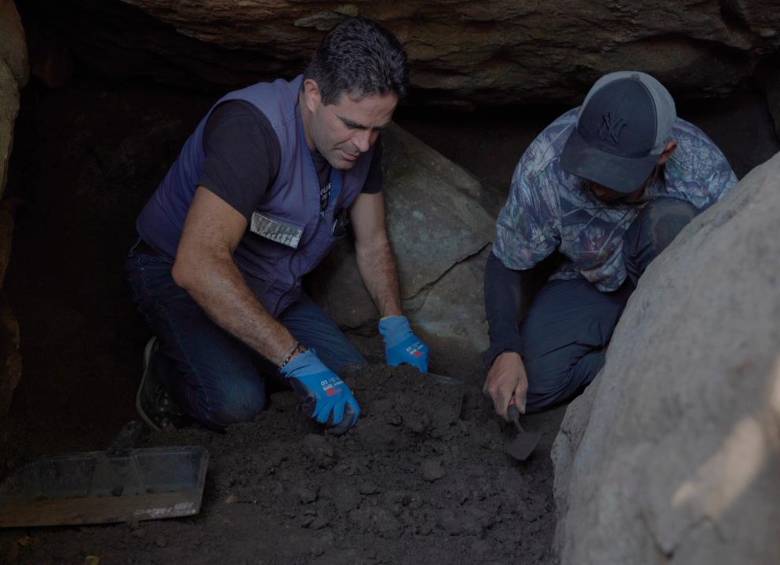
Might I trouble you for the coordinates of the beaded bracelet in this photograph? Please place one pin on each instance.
(297, 348)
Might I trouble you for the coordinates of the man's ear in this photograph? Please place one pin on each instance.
(668, 151)
(311, 94)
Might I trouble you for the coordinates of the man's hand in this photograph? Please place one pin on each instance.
(401, 345)
(506, 379)
(326, 398)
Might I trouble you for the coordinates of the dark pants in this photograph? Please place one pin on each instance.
(213, 376)
(569, 324)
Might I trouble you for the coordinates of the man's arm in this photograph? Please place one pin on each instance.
(506, 304)
(242, 161)
(204, 267)
(375, 258)
(508, 295)
(505, 307)
(526, 235)
(376, 263)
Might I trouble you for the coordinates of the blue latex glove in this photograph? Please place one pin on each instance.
(326, 398)
(401, 345)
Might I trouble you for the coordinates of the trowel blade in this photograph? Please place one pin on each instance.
(523, 444)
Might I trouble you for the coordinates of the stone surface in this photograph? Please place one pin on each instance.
(14, 73)
(673, 453)
(13, 49)
(502, 49)
(451, 318)
(439, 232)
(462, 52)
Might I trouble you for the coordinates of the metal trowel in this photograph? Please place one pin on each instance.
(523, 444)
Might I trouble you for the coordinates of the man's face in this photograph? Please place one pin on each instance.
(609, 196)
(342, 131)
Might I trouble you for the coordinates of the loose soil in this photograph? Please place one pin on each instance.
(423, 477)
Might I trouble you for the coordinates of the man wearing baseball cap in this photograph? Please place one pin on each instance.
(595, 197)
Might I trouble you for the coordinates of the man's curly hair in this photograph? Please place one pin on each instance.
(361, 58)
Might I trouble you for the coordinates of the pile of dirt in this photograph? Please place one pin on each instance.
(422, 478)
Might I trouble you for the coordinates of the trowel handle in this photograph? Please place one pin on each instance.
(514, 416)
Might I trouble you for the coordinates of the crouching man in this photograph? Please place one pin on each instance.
(259, 194)
(594, 199)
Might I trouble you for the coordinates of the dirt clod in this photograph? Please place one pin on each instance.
(432, 470)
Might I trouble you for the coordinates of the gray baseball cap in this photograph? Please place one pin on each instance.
(622, 129)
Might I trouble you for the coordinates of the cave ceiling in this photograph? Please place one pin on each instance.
(491, 52)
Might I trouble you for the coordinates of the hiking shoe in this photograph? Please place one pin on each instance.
(152, 401)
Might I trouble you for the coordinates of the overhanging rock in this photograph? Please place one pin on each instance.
(673, 453)
(461, 52)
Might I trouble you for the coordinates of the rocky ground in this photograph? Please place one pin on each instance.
(423, 478)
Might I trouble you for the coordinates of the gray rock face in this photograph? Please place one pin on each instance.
(461, 52)
(673, 453)
(14, 73)
(440, 234)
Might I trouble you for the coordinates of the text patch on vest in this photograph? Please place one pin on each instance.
(276, 230)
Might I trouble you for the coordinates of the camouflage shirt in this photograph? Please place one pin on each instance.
(549, 209)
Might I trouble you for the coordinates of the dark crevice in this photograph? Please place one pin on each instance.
(734, 17)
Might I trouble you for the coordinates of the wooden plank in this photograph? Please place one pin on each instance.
(15, 513)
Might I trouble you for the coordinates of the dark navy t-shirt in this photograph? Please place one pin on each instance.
(243, 156)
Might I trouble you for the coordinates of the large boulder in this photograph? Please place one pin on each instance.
(440, 232)
(14, 73)
(495, 51)
(673, 453)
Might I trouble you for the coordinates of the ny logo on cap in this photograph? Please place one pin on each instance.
(611, 128)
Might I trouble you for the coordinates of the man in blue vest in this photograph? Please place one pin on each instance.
(594, 199)
(259, 194)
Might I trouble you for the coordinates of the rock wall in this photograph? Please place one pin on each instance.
(673, 453)
(461, 52)
(14, 73)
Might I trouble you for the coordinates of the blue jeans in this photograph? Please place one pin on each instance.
(567, 330)
(214, 377)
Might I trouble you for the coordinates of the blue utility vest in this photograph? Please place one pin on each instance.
(288, 234)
